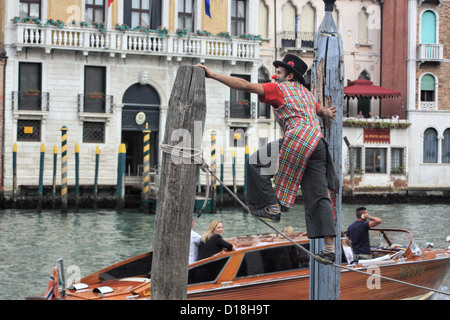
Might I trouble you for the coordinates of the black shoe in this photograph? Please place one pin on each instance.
(326, 257)
(269, 213)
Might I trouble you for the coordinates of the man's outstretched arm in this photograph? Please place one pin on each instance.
(234, 82)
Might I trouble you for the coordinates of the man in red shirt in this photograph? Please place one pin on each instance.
(300, 158)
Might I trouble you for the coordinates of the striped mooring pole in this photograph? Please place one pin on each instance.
(64, 169)
(146, 187)
(41, 178)
(120, 200)
(213, 168)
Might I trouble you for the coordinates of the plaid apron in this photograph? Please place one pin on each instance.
(297, 117)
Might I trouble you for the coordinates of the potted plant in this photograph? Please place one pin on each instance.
(96, 95)
(162, 31)
(243, 102)
(225, 35)
(181, 32)
(32, 92)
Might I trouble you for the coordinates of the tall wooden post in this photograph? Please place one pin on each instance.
(77, 178)
(55, 162)
(120, 192)
(97, 161)
(176, 199)
(328, 86)
(41, 178)
(64, 169)
(146, 186)
(14, 170)
(213, 168)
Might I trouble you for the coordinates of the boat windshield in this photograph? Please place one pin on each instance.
(392, 239)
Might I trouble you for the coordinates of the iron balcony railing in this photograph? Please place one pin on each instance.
(235, 110)
(88, 39)
(31, 101)
(95, 103)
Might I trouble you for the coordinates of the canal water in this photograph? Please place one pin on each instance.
(30, 242)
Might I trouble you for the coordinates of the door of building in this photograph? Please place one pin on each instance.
(141, 105)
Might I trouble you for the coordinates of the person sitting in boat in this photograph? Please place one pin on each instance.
(358, 233)
(212, 241)
(347, 249)
(210, 244)
(195, 242)
(289, 231)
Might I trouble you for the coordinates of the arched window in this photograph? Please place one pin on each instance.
(427, 92)
(263, 20)
(289, 27)
(430, 146)
(428, 27)
(308, 26)
(363, 32)
(446, 146)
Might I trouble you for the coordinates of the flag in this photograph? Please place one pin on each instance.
(207, 8)
(109, 2)
(52, 291)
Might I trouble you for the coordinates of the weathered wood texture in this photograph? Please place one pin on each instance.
(176, 199)
(328, 87)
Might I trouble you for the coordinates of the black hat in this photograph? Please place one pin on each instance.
(293, 64)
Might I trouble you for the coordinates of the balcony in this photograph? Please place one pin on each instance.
(86, 39)
(297, 40)
(240, 110)
(29, 101)
(95, 106)
(31, 105)
(430, 52)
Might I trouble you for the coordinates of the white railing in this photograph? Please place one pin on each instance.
(431, 52)
(427, 105)
(132, 42)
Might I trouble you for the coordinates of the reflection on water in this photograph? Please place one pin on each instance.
(31, 242)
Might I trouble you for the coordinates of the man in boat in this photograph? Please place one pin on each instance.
(303, 156)
(195, 243)
(358, 233)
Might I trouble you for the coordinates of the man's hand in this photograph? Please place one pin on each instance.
(331, 112)
(327, 112)
(208, 72)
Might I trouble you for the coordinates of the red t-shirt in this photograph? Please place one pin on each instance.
(274, 96)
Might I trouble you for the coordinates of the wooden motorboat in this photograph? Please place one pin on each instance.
(269, 267)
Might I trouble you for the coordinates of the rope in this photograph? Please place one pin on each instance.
(198, 159)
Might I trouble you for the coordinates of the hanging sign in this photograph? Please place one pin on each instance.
(377, 136)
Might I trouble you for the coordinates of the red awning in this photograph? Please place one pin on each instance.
(365, 89)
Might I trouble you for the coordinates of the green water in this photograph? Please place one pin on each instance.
(31, 242)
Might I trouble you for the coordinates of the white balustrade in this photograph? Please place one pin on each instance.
(129, 42)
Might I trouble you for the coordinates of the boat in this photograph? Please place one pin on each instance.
(271, 267)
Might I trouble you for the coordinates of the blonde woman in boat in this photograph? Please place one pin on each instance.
(212, 241)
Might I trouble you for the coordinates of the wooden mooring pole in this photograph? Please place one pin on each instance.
(64, 169)
(328, 86)
(176, 199)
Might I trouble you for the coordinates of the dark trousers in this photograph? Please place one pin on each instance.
(261, 167)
